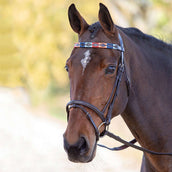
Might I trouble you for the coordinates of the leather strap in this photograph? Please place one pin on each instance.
(131, 144)
(110, 104)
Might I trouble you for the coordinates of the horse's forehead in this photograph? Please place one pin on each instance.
(85, 56)
(85, 61)
(98, 37)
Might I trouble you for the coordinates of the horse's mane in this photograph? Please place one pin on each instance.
(135, 34)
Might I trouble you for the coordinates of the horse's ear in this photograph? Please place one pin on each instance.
(106, 20)
(78, 24)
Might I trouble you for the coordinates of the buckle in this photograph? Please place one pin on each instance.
(104, 131)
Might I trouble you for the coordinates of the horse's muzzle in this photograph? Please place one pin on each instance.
(77, 152)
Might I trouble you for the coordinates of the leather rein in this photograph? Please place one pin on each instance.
(82, 105)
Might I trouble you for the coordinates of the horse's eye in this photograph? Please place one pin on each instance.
(110, 69)
(67, 68)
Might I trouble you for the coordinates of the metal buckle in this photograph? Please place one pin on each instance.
(106, 127)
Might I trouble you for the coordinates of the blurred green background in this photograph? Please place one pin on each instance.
(36, 40)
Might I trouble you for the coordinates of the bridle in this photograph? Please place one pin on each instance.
(82, 105)
(110, 103)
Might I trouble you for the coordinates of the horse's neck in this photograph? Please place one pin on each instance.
(148, 113)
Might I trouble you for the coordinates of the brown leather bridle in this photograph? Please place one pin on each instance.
(110, 103)
(82, 105)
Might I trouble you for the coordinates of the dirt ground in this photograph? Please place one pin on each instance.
(30, 142)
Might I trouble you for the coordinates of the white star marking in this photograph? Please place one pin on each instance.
(85, 60)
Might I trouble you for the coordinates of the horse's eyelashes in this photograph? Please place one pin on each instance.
(110, 69)
(67, 68)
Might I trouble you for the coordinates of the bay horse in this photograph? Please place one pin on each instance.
(114, 70)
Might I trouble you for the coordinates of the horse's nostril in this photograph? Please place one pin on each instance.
(82, 146)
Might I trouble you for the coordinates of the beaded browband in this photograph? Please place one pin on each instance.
(98, 45)
(104, 45)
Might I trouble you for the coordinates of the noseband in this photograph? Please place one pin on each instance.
(110, 103)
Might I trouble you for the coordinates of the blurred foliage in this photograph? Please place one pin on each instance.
(36, 38)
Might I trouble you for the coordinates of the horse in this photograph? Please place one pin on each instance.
(118, 71)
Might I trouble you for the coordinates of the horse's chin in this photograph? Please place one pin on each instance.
(84, 158)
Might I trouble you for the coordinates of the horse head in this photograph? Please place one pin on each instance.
(93, 70)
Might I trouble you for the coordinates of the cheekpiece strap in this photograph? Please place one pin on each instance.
(98, 45)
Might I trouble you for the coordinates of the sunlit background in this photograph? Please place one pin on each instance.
(35, 41)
